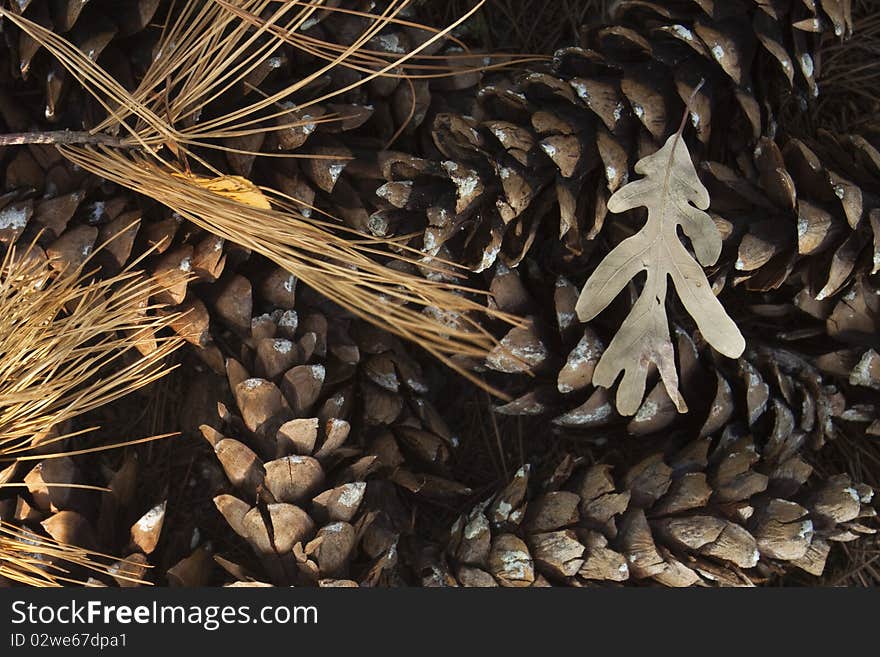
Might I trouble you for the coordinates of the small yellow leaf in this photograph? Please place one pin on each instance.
(236, 188)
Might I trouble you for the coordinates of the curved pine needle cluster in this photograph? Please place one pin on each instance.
(69, 344)
(208, 50)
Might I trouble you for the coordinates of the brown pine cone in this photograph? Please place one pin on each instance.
(774, 389)
(62, 220)
(819, 216)
(569, 135)
(327, 435)
(116, 33)
(309, 515)
(83, 526)
(698, 513)
(65, 211)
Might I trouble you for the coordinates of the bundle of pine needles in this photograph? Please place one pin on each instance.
(69, 343)
(152, 136)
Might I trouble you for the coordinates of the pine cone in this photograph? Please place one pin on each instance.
(329, 431)
(819, 216)
(88, 524)
(773, 391)
(569, 135)
(65, 211)
(119, 34)
(708, 513)
(312, 519)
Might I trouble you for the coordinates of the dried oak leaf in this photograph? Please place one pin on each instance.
(670, 189)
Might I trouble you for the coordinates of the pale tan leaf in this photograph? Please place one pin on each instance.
(675, 197)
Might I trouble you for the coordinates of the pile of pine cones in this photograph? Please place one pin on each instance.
(316, 449)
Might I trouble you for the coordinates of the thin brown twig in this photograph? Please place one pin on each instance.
(62, 137)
